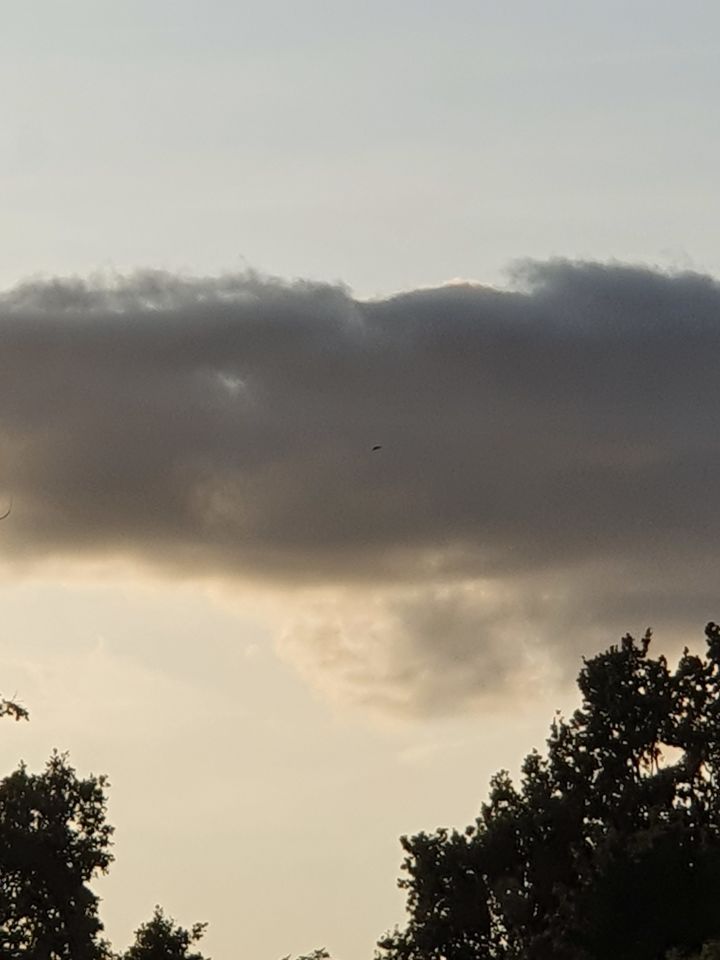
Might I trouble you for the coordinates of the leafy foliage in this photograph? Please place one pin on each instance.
(319, 954)
(161, 939)
(609, 847)
(10, 708)
(53, 840)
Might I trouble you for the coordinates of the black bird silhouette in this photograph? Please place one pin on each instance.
(378, 446)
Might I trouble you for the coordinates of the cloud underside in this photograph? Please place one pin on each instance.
(548, 473)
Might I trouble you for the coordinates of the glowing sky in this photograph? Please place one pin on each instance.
(229, 235)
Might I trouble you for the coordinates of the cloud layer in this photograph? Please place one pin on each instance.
(549, 471)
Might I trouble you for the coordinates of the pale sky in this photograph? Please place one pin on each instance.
(386, 144)
(286, 649)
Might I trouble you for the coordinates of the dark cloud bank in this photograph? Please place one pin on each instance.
(549, 473)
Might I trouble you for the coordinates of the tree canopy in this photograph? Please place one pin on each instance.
(161, 939)
(54, 838)
(609, 847)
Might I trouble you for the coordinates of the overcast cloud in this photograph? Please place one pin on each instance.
(549, 474)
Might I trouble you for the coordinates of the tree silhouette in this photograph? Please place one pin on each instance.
(609, 847)
(161, 939)
(10, 708)
(53, 840)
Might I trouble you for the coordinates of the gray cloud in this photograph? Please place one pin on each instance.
(549, 471)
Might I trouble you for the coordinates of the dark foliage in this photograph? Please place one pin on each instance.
(9, 708)
(161, 939)
(53, 840)
(609, 847)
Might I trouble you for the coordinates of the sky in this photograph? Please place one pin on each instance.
(244, 244)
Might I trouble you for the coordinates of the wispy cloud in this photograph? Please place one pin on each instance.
(549, 465)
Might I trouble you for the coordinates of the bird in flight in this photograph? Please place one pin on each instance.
(7, 512)
(378, 446)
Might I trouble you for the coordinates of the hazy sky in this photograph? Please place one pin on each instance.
(243, 244)
(386, 144)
